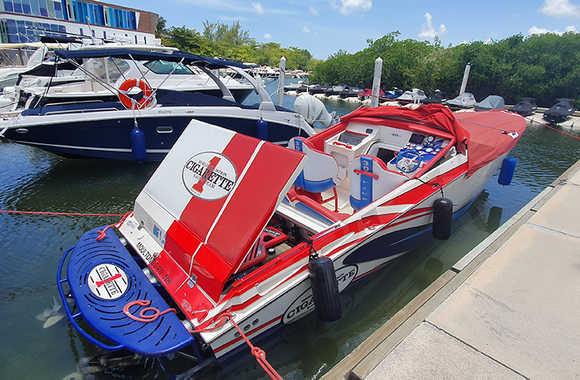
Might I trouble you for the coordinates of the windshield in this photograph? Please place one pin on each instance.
(164, 67)
(105, 69)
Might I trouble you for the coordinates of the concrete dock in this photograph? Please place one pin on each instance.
(509, 309)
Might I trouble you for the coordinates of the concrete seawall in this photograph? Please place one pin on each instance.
(509, 309)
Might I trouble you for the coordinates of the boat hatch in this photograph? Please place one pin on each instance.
(205, 207)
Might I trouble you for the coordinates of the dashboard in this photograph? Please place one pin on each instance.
(401, 150)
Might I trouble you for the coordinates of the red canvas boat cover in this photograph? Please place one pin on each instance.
(434, 116)
(486, 135)
(490, 134)
(208, 203)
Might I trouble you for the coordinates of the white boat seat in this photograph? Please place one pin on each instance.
(320, 171)
(370, 179)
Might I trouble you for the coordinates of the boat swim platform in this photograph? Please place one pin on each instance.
(510, 308)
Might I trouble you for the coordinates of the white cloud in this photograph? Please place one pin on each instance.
(536, 30)
(232, 18)
(428, 31)
(305, 29)
(238, 6)
(560, 8)
(349, 6)
(258, 8)
(489, 41)
(267, 36)
(313, 11)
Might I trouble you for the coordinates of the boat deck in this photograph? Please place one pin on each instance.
(508, 309)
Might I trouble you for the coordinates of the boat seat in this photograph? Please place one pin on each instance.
(320, 171)
(370, 179)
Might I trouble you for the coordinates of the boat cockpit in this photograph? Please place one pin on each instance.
(346, 171)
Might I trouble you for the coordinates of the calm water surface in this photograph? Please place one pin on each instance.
(31, 247)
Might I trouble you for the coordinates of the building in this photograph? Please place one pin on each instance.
(28, 20)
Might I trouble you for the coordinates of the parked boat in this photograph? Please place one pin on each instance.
(367, 93)
(560, 112)
(317, 89)
(436, 98)
(145, 126)
(465, 100)
(335, 90)
(101, 72)
(350, 92)
(223, 240)
(394, 93)
(525, 107)
(492, 102)
(414, 96)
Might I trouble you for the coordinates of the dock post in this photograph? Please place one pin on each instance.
(377, 82)
(465, 78)
(281, 79)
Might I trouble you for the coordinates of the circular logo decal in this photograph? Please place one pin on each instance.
(209, 175)
(108, 281)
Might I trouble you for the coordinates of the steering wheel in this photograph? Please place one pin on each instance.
(408, 160)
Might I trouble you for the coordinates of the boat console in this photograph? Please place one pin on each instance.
(401, 150)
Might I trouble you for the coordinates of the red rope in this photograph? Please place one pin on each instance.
(103, 233)
(257, 352)
(557, 130)
(143, 316)
(55, 213)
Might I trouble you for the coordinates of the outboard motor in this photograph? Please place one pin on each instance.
(313, 110)
(324, 288)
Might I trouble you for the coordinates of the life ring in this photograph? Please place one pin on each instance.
(131, 103)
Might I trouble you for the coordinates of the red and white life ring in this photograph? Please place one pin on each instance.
(131, 103)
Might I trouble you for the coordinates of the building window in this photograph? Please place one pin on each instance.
(8, 6)
(82, 34)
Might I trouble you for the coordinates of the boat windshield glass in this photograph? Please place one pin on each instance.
(106, 69)
(164, 67)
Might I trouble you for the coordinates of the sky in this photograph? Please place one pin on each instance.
(325, 26)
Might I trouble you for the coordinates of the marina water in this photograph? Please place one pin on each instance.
(32, 245)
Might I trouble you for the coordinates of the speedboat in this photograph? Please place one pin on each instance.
(463, 101)
(218, 251)
(492, 102)
(560, 112)
(100, 72)
(144, 125)
(525, 107)
(414, 96)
